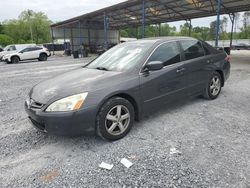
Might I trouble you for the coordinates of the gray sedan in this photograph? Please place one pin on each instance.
(125, 83)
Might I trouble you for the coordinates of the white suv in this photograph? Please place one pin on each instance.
(34, 52)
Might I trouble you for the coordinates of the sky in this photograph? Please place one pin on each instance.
(59, 10)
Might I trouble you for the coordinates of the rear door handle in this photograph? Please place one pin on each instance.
(180, 70)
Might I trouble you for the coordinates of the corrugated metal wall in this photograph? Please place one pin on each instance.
(78, 36)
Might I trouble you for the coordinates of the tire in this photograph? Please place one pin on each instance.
(213, 87)
(112, 125)
(43, 57)
(14, 60)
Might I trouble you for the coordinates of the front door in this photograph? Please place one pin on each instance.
(165, 85)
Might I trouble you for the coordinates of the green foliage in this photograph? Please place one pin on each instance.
(5, 40)
(30, 27)
(202, 33)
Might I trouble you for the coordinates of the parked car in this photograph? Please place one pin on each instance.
(13, 48)
(241, 46)
(35, 52)
(125, 83)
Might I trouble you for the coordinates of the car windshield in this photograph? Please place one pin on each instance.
(122, 57)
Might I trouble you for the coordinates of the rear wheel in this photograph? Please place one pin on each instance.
(115, 119)
(43, 57)
(214, 85)
(14, 60)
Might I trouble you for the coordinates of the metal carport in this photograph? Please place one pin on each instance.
(134, 13)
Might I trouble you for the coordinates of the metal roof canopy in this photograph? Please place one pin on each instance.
(134, 13)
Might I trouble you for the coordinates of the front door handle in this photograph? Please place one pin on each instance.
(180, 70)
(209, 61)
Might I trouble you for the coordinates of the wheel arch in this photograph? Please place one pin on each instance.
(126, 96)
(222, 76)
(15, 56)
(43, 53)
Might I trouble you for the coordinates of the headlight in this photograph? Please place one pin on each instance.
(6, 56)
(70, 103)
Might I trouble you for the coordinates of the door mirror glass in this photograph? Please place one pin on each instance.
(154, 66)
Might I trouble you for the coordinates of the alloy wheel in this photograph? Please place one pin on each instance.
(215, 85)
(117, 120)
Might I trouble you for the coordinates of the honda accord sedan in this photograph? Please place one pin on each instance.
(127, 82)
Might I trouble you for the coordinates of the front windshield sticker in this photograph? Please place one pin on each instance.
(134, 51)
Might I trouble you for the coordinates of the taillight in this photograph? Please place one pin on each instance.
(228, 58)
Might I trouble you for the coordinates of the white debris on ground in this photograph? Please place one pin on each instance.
(106, 166)
(126, 162)
(174, 151)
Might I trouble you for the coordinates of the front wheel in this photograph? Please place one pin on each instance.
(14, 60)
(213, 87)
(115, 119)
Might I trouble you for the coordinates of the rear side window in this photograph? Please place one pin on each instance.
(207, 52)
(192, 49)
(168, 53)
(36, 48)
(26, 50)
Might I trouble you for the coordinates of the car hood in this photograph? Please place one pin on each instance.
(70, 83)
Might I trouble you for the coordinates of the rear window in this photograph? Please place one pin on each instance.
(192, 49)
(210, 48)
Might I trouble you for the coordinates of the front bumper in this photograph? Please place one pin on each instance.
(7, 60)
(81, 122)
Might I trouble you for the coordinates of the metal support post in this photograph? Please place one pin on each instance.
(64, 40)
(190, 28)
(52, 40)
(105, 31)
(80, 33)
(143, 20)
(159, 29)
(218, 23)
(232, 18)
(89, 39)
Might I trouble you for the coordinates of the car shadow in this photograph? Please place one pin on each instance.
(93, 142)
(170, 107)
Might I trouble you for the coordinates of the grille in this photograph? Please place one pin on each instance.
(36, 105)
(33, 104)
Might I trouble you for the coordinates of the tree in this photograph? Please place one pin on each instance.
(202, 33)
(29, 27)
(223, 26)
(5, 40)
(184, 29)
(1, 28)
(246, 25)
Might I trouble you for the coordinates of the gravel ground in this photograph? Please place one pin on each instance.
(212, 136)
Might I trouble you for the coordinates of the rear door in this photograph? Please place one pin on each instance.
(26, 54)
(36, 52)
(198, 65)
(165, 85)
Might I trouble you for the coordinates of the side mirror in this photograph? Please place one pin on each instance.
(153, 66)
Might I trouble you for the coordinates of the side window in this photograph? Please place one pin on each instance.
(168, 53)
(192, 49)
(12, 48)
(25, 50)
(33, 49)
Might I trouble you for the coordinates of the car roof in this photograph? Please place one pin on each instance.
(162, 39)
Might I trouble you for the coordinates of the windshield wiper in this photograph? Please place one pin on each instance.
(102, 68)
